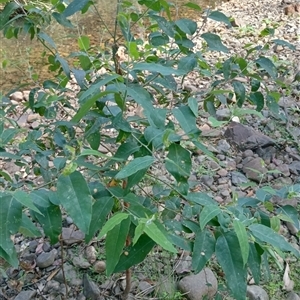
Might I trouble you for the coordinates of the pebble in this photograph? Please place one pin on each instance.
(46, 259)
(99, 266)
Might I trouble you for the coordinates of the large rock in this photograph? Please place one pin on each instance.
(244, 137)
(203, 284)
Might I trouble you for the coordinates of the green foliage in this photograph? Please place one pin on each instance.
(89, 185)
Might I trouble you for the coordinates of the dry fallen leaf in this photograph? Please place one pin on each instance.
(288, 283)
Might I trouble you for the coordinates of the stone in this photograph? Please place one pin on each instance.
(80, 262)
(238, 178)
(91, 254)
(244, 137)
(223, 146)
(255, 169)
(184, 265)
(248, 153)
(255, 292)
(223, 114)
(292, 296)
(292, 228)
(33, 117)
(46, 259)
(145, 287)
(71, 236)
(90, 289)
(294, 167)
(196, 287)
(207, 180)
(222, 172)
(16, 96)
(284, 169)
(99, 266)
(70, 274)
(26, 295)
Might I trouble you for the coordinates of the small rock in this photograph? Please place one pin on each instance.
(145, 287)
(222, 172)
(71, 236)
(184, 265)
(33, 117)
(46, 259)
(32, 246)
(248, 153)
(70, 274)
(26, 295)
(80, 262)
(223, 146)
(46, 247)
(225, 193)
(52, 286)
(99, 266)
(255, 292)
(207, 180)
(284, 169)
(91, 254)
(292, 228)
(26, 95)
(90, 289)
(16, 96)
(294, 167)
(238, 178)
(203, 284)
(255, 169)
(223, 114)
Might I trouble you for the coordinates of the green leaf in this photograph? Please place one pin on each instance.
(178, 162)
(284, 43)
(46, 38)
(158, 236)
(229, 256)
(166, 26)
(7, 12)
(62, 20)
(220, 17)
(241, 233)
(27, 228)
(135, 253)
(291, 213)
(50, 219)
(201, 198)
(204, 247)
(193, 105)
(75, 197)
(214, 42)
(240, 92)
(265, 234)
(112, 222)
(187, 26)
(207, 214)
(254, 262)
(100, 210)
(135, 165)
(10, 220)
(25, 200)
(193, 5)
(74, 6)
(258, 99)
(84, 43)
(186, 119)
(187, 64)
(157, 68)
(267, 65)
(114, 244)
(139, 230)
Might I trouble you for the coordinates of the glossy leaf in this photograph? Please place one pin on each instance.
(25, 200)
(100, 210)
(75, 197)
(291, 213)
(114, 244)
(135, 253)
(187, 26)
(158, 236)
(135, 165)
(204, 247)
(214, 42)
(267, 65)
(186, 119)
(207, 213)
(111, 223)
(264, 234)
(229, 256)
(241, 233)
(220, 17)
(27, 228)
(178, 162)
(254, 262)
(74, 6)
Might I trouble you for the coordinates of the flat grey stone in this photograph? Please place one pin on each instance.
(200, 285)
(90, 289)
(71, 236)
(238, 178)
(255, 292)
(26, 295)
(46, 259)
